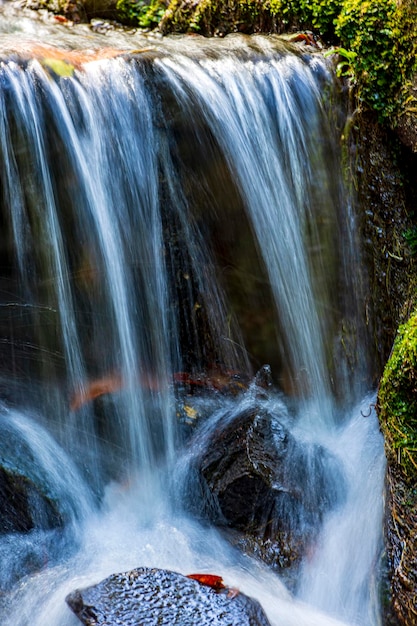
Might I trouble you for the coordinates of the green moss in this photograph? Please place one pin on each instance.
(383, 37)
(377, 38)
(220, 17)
(397, 399)
(140, 13)
(318, 15)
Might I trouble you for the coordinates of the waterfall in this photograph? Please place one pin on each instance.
(171, 221)
(270, 143)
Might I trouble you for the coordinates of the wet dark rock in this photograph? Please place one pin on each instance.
(268, 490)
(26, 502)
(76, 10)
(397, 412)
(153, 596)
(387, 192)
(23, 505)
(35, 512)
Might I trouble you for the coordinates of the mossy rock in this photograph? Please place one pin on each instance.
(397, 400)
(221, 17)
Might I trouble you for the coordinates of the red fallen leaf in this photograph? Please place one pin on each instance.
(215, 582)
(95, 389)
(61, 18)
(307, 38)
(214, 380)
(210, 580)
(108, 384)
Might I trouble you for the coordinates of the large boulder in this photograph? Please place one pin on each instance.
(268, 490)
(152, 596)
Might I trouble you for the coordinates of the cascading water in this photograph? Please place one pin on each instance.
(150, 205)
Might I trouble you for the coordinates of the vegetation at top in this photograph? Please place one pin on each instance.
(140, 13)
(382, 37)
(376, 40)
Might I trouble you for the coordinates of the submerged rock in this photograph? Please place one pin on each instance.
(26, 499)
(24, 506)
(152, 596)
(270, 491)
(40, 494)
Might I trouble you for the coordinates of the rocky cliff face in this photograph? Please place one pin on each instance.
(386, 169)
(385, 173)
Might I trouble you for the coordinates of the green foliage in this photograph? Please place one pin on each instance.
(383, 36)
(376, 39)
(397, 399)
(345, 63)
(140, 13)
(220, 17)
(204, 13)
(318, 14)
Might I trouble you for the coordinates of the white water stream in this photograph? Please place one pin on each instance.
(96, 196)
(339, 582)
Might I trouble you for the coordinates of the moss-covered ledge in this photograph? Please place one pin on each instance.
(397, 410)
(397, 400)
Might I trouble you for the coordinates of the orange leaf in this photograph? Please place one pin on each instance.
(210, 580)
(95, 389)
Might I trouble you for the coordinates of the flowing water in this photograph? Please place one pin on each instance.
(172, 217)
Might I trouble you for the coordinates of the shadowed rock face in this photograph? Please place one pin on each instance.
(151, 596)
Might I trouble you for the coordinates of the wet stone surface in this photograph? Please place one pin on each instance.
(152, 596)
(266, 490)
(27, 500)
